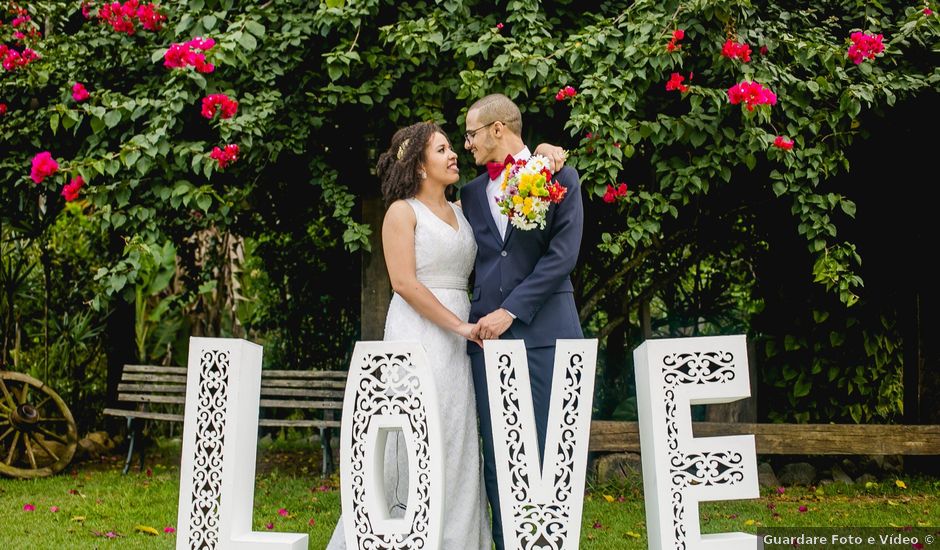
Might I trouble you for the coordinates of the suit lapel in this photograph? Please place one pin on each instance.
(486, 213)
(509, 232)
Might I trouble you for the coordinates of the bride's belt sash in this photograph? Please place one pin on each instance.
(455, 283)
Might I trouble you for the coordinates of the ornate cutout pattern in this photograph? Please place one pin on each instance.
(389, 383)
(211, 411)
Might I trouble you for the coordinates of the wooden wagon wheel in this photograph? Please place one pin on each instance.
(38, 435)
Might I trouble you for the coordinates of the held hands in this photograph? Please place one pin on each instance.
(556, 155)
(470, 332)
(494, 325)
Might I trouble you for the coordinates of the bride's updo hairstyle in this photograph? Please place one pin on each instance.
(398, 166)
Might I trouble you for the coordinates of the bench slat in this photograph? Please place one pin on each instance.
(167, 378)
(135, 398)
(295, 404)
(153, 388)
(145, 414)
(276, 392)
(154, 369)
(314, 374)
(268, 422)
(323, 384)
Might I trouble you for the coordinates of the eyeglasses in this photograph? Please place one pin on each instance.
(470, 134)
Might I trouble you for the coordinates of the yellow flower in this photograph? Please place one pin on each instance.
(516, 199)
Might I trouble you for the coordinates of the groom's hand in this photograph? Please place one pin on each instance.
(494, 325)
(556, 155)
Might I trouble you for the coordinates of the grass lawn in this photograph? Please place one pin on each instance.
(94, 506)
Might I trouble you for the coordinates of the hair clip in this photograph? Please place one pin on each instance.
(402, 147)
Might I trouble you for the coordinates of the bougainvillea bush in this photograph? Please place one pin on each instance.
(256, 122)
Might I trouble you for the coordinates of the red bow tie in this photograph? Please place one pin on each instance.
(495, 169)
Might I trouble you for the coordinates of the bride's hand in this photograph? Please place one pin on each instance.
(555, 155)
(469, 331)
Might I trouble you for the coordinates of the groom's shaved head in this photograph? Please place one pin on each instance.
(498, 107)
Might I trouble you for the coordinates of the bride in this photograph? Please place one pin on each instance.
(429, 251)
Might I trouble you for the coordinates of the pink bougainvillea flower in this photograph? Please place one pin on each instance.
(803, 508)
(13, 59)
(499, 26)
(613, 193)
(675, 83)
(169, 529)
(673, 43)
(211, 104)
(736, 50)
(86, 10)
(283, 512)
(928, 11)
(71, 189)
(781, 490)
(124, 17)
(781, 142)
(43, 166)
(565, 93)
(225, 156)
(53, 509)
(17, 21)
(79, 93)
(864, 46)
(190, 54)
(751, 94)
(28, 508)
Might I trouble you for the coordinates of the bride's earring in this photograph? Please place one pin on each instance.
(424, 175)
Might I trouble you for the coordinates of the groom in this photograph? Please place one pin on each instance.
(522, 288)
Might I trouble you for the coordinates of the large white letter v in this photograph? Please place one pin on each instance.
(541, 508)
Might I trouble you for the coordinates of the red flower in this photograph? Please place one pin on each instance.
(122, 17)
(79, 93)
(735, 50)
(3, 109)
(169, 529)
(675, 83)
(13, 59)
(751, 94)
(211, 104)
(557, 192)
(86, 10)
(763, 50)
(673, 45)
(269, 525)
(71, 189)
(928, 11)
(864, 46)
(43, 166)
(614, 193)
(499, 26)
(565, 93)
(29, 508)
(179, 56)
(597, 525)
(225, 156)
(17, 21)
(312, 522)
(783, 143)
(283, 512)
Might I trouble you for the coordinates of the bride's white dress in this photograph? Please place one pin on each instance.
(443, 260)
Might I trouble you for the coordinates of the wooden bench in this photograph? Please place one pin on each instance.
(790, 439)
(143, 386)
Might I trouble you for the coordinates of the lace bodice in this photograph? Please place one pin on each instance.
(443, 257)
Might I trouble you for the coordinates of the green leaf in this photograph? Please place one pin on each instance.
(54, 122)
(112, 118)
(209, 22)
(247, 41)
(204, 201)
(255, 28)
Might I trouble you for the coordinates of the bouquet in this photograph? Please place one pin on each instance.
(527, 191)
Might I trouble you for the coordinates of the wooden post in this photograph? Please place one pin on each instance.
(376, 289)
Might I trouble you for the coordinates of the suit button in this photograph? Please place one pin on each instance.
(500, 290)
(503, 253)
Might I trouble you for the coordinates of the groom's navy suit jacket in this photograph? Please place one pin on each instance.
(528, 272)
